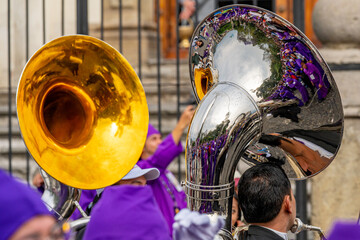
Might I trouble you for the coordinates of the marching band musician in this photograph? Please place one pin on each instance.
(267, 202)
(119, 209)
(236, 213)
(127, 210)
(86, 197)
(23, 215)
(160, 153)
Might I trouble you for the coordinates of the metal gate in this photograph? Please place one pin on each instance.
(11, 26)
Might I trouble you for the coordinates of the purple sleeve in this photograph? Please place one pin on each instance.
(164, 155)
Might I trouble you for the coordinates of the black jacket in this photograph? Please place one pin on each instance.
(259, 233)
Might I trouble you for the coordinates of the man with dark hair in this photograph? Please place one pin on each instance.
(267, 202)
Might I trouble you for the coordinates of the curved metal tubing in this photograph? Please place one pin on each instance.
(58, 197)
(265, 94)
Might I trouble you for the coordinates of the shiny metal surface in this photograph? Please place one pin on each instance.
(265, 94)
(79, 223)
(81, 107)
(238, 233)
(58, 197)
(299, 226)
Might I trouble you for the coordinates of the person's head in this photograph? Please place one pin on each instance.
(199, 43)
(264, 192)
(39, 227)
(303, 65)
(23, 214)
(138, 176)
(235, 212)
(153, 140)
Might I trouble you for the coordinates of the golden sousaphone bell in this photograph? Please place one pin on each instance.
(82, 112)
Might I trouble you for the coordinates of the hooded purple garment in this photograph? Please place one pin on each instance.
(166, 152)
(151, 131)
(127, 212)
(345, 231)
(87, 196)
(18, 204)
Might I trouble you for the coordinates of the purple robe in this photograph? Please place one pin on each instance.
(294, 83)
(166, 152)
(316, 78)
(283, 35)
(286, 94)
(18, 204)
(87, 196)
(345, 231)
(305, 51)
(127, 212)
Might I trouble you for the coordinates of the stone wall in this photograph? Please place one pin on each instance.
(336, 191)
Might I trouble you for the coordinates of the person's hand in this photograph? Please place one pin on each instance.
(38, 181)
(186, 116)
(187, 10)
(193, 225)
(183, 122)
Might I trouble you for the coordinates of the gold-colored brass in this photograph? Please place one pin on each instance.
(185, 33)
(203, 81)
(82, 112)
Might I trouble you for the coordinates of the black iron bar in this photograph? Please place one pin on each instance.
(196, 13)
(27, 155)
(178, 79)
(139, 37)
(43, 18)
(273, 5)
(81, 17)
(62, 18)
(299, 13)
(158, 61)
(301, 193)
(102, 20)
(9, 90)
(120, 26)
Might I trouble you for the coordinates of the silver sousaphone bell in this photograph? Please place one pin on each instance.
(265, 94)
